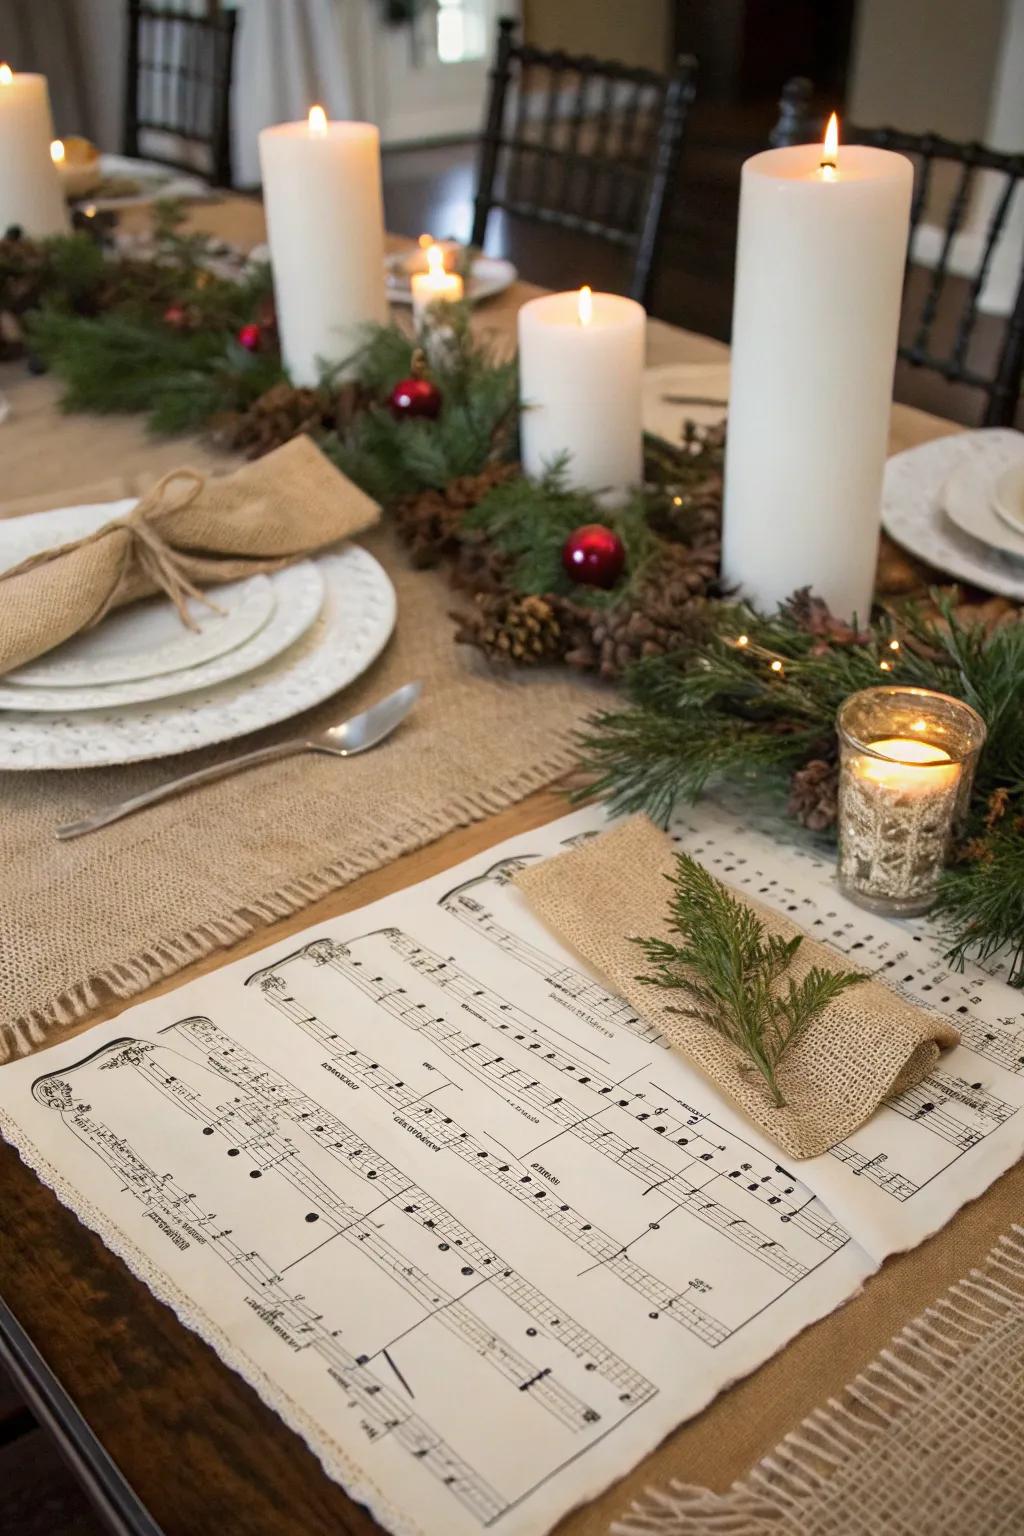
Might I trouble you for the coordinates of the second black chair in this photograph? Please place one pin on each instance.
(178, 87)
(941, 316)
(583, 144)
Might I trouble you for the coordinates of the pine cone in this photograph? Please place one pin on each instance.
(275, 417)
(814, 616)
(525, 630)
(429, 521)
(813, 794)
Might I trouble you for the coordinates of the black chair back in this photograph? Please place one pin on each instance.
(937, 336)
(583, 144)
(178, 87)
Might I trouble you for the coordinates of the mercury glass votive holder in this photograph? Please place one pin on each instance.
(906, 764)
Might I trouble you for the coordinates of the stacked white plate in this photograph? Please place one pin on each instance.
(958, 503)
(143, 685)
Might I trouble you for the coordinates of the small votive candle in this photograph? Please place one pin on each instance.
(434, 286)
(906, 763)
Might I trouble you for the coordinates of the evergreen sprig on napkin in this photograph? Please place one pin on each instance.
(735, 975)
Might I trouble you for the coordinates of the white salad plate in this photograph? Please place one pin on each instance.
(969, 501)
(488, 276)
(676, 393)
(142, 640)
(153, 181)
(351, 629)
(912, 506)
(1008, 497)
(298, 593)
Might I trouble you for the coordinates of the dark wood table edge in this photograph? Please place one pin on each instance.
(116, 1502)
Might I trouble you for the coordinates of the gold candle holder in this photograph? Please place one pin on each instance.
(906, 764)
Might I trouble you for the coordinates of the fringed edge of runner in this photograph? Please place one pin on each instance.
(166, 956)
(915, 1363)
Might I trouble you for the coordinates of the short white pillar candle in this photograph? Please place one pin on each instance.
(581, 359)
(434, 286)
(819, 277)
(325, 225)
(31, 194)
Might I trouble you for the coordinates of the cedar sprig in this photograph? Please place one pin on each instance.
(734, 974)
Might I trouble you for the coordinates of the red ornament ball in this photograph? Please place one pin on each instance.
(415, 397)
(594, 555)
(176, 317)
(250, 337)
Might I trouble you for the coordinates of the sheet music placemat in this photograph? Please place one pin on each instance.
(460, 1216)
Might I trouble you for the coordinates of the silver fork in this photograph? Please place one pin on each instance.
(342, 740)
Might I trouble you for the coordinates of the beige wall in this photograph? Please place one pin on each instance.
(925, 64)
(635, 32)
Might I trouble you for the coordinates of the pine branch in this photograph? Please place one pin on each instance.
(731, 972)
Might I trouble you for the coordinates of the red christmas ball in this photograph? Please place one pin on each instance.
(415, 397)
(176, 317)
(250, 337)
(594, 555)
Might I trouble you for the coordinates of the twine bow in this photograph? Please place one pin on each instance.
(158, 561)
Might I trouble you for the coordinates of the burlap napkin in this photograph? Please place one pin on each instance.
(867, 1045)
(187, 533)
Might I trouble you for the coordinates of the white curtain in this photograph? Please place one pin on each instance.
(288, 55)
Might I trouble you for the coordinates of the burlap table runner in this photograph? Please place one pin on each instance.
(187, 532)
(866, 1045)
(927, 1439)
(111, 913)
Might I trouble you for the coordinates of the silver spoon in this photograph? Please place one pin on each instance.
(342, 740)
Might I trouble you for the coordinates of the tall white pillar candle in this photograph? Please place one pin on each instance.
(581, 358)
(325, 224)
(819, 275)
(31, 194)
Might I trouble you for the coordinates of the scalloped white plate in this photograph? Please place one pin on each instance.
(913, 515)
(352, 628)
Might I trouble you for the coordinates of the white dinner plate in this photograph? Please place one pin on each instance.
(298, 597)
(353, 626)
(912, 511)
(143, 639)
(689, 386)
(488, 275)
(152, 181)
(968, 500)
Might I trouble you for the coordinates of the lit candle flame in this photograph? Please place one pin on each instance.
(585, 305)
(425, 242)
(830, 148)
(317, 120)
(435, 263)
(6, 75)
(57, 151)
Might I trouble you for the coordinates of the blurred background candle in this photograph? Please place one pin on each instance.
(325, 224)
(31, 195)
(581, 357)
(434, 286)
(819, 276)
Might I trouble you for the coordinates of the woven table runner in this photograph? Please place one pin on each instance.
(927, 1439)
(109, 914)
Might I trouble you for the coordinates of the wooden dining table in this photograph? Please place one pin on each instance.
(163, 1434)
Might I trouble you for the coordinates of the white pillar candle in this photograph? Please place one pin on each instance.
(581, 358)
(434, 286)
(30, 188)
(325, 225)
(819, 277)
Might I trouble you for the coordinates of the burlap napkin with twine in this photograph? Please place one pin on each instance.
(867, 1045)
(188, 532)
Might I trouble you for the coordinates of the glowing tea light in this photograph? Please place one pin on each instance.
(581, 358)
(31, 192)
(325, 225)
(435, 285)
(903, 777)
(819, 278)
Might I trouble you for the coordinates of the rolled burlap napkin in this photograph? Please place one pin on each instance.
(187, 533)
(868, 1044)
